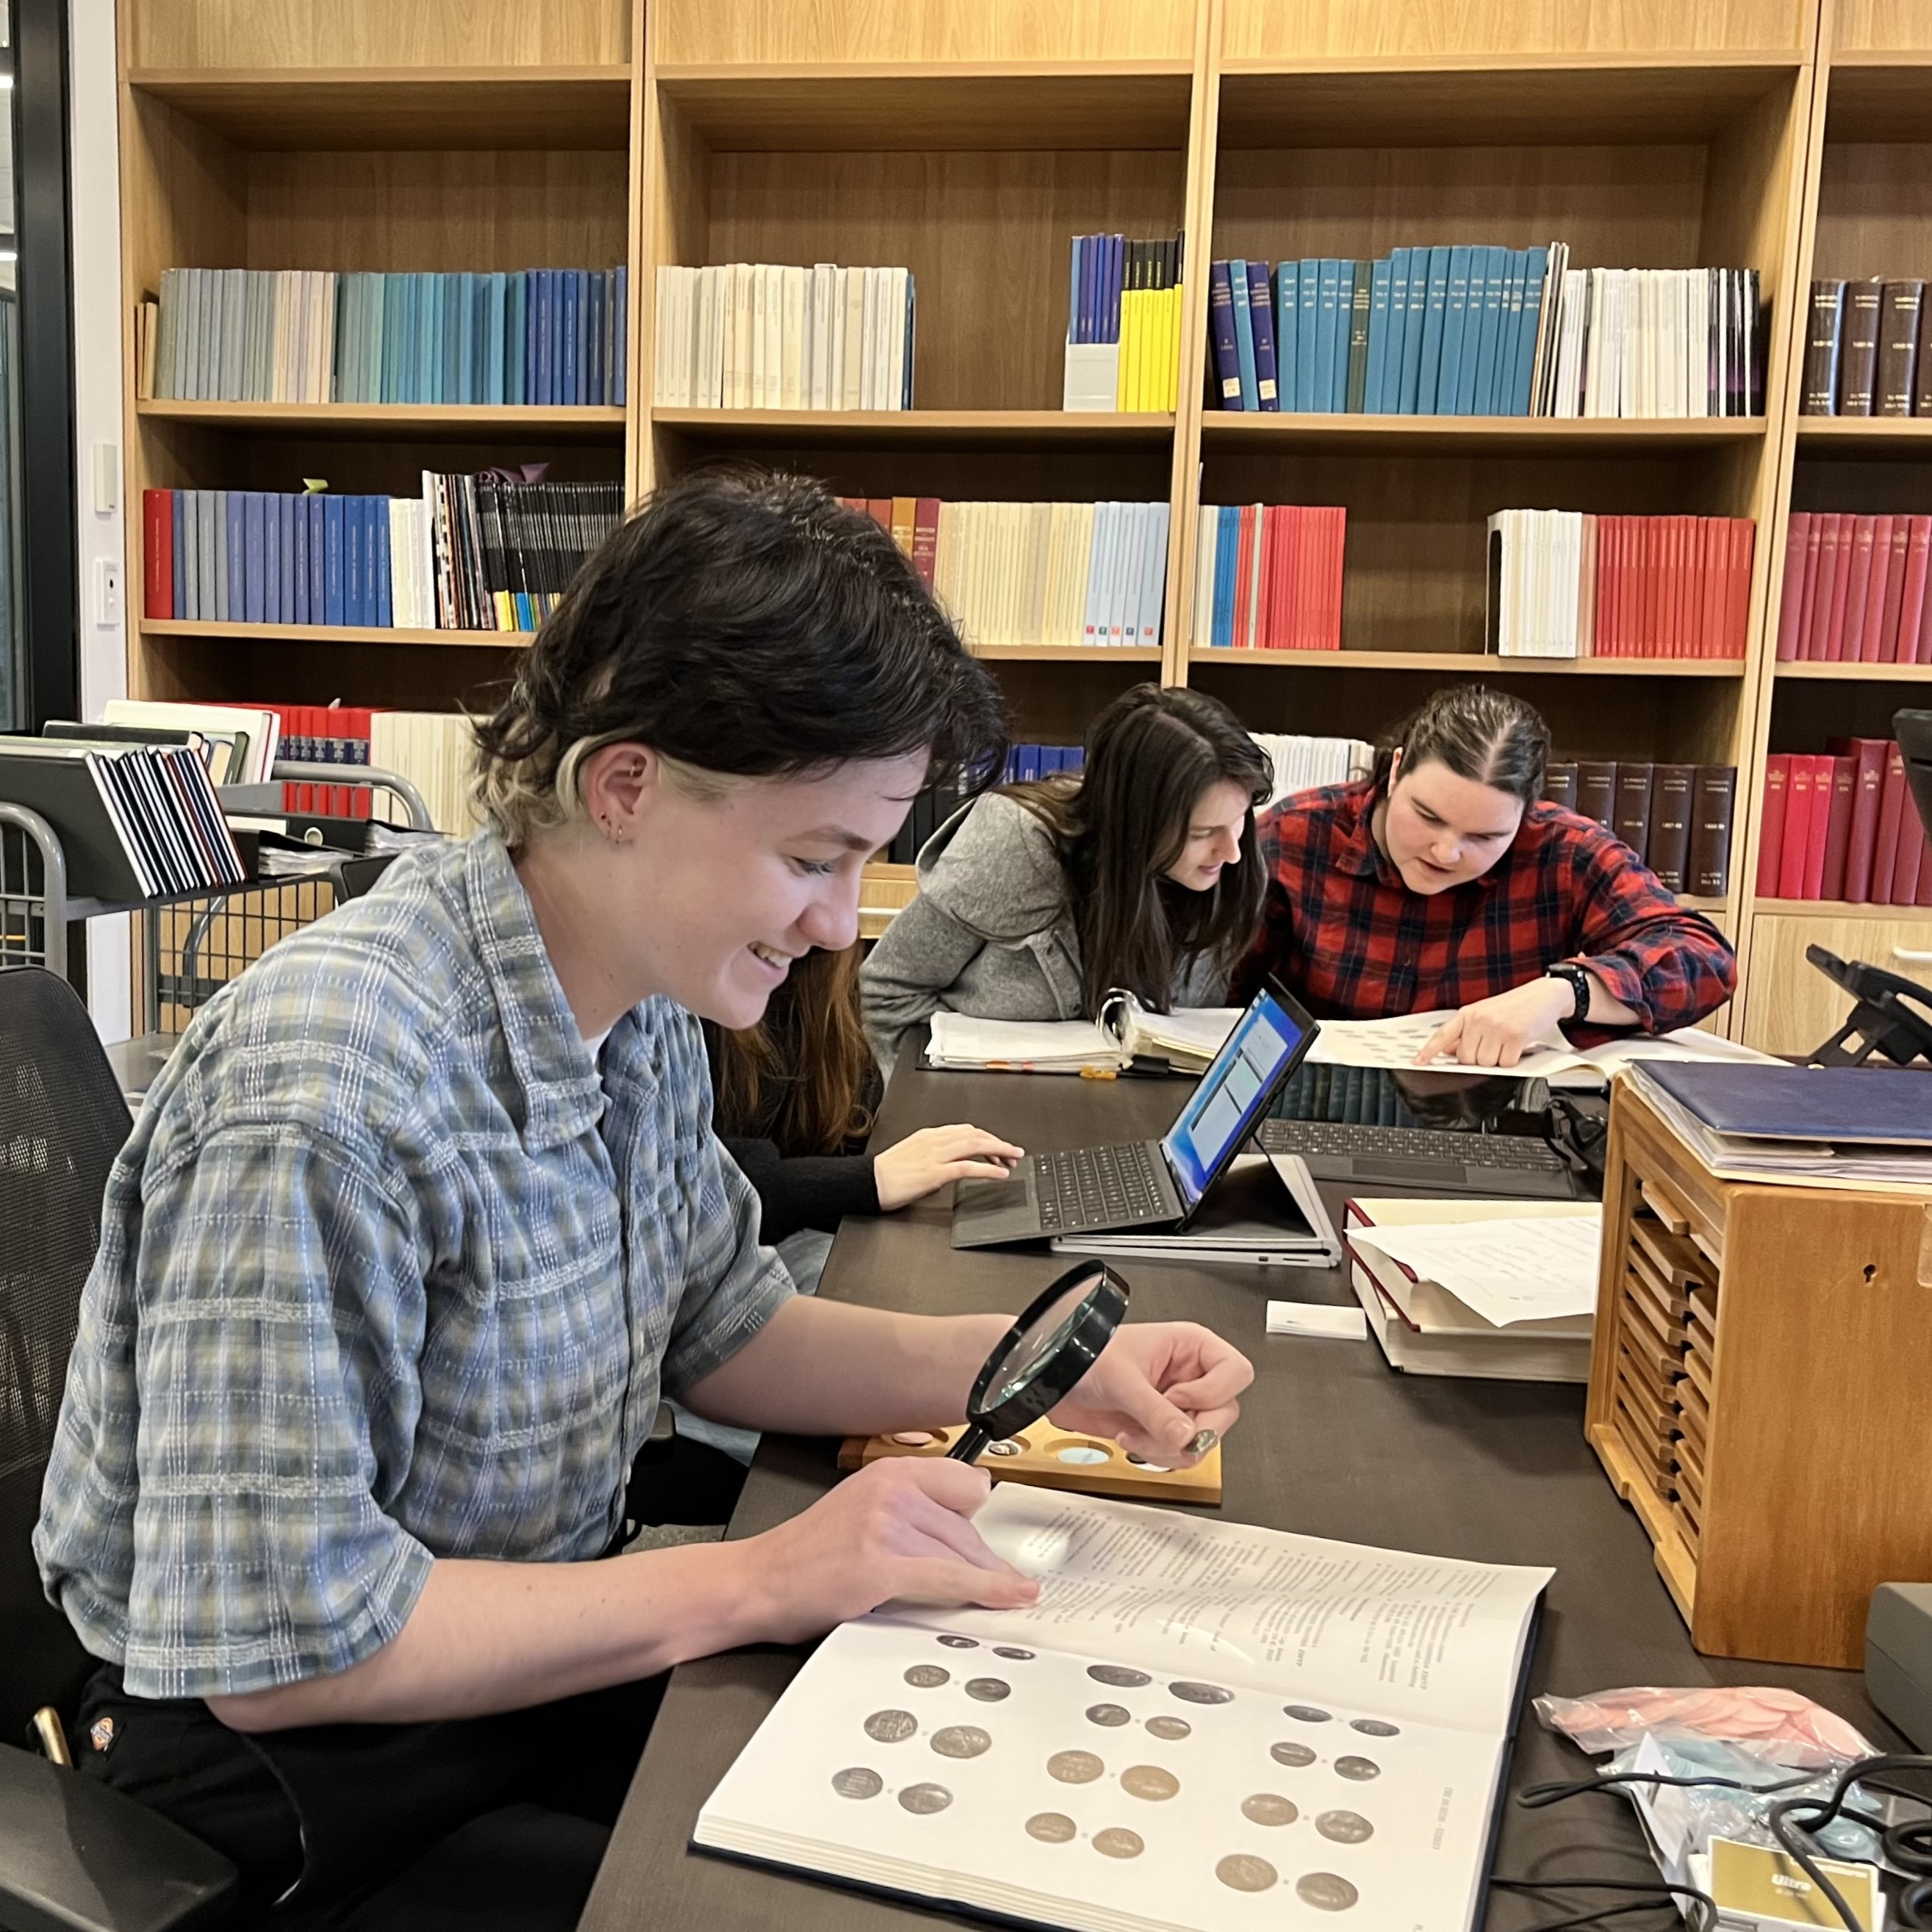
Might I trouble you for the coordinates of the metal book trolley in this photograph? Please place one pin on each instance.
(189, 945)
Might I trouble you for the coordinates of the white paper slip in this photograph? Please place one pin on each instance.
(1525, 1269)
(1314, 1318)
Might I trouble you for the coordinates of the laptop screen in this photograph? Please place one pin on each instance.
(1225, 1106)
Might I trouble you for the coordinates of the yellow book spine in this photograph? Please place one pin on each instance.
(1179, 310)
(505, 610)
(1123, 384)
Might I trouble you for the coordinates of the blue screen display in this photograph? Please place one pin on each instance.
(1232, 1093)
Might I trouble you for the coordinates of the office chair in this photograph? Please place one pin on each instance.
(73, 1854)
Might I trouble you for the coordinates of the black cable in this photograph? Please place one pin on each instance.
(1659, 1895)
(1908, 1845)
(1538, 1796)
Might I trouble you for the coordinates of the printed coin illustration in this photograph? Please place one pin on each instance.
(1116, 1843)
(1119, 1675)
(857, 1783)
(969, 1740)
(1171, 1729)
(1011, 1655)
(1149, 1781)
(1242, 1871)
(925, 1798)
(1345, 1828)
(890, 1727)
(1075, 1767)
(1201, 1693)
(1305, 1713)
(1050, 1828)
(1298, 1755)
(1266, 1807)
(966, 1643)
(1361, 1769)
(1326, 1892)
(1108, 1713)
(1010, 1445)
(988, 1690)
(928, 1676)
(1374, 1727)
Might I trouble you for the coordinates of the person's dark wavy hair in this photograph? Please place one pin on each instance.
(1150, 756)
(743, 622)
(1491, 737)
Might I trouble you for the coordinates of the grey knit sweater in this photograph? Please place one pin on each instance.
(991, 933)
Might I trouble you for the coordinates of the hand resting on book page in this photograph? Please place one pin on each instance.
(1497, 1031)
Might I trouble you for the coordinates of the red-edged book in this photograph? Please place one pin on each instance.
(1905, 877)
(1867, 756)
(1744, 532)
(1871, 629)
(1814, 546)
(1771, 827)
(157, 553)
(1797, 828)
(1791, 595)
(1818, 824)
(1244, 573)
(1911, 638)
(1840, 798)
(1857, 586)
(1609, 587)
(1831, 539)
(1841, 589)
(1924, 894)
(1895, 589)
(1267, 606)
(1894, 808)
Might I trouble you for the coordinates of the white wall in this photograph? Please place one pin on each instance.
(94, 163)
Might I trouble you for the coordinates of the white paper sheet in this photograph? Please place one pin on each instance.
(1395, 1042)
(1521, 1269)
(1315, 1318)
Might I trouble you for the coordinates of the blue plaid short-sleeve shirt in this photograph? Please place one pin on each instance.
(387, 1272)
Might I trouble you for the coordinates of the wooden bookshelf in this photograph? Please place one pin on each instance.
(969, 139)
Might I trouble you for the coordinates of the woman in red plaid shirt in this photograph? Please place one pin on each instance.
(1447, 882)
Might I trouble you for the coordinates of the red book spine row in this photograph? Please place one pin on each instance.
(1854, 589)
(1672, 586)
(326, 734)
(1842, 826)
(1288, 595)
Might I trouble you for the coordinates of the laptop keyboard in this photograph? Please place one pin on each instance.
(1090, 1187)
(1515, 1151)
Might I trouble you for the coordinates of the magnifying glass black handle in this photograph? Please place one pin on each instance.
(971, 1446)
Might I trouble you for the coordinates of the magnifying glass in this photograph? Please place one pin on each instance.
(1042, 1357)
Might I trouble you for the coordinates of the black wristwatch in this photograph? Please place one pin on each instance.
(1573, 977)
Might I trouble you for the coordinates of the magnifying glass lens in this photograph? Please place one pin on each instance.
(1041, 1340)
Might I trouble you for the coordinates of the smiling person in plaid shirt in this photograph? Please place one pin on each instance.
(1447, 882)
(427, 1212)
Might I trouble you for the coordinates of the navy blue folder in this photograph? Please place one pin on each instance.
(1885, 1106)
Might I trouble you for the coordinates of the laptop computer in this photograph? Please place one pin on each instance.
(1154, 1184)
(1368, 1127)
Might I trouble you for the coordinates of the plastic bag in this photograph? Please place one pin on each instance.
(1784, 1727)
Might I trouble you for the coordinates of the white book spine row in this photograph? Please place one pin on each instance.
(1049, 575)
(1305, 764)
(1536, 589)
(760, 335)
(435, 751)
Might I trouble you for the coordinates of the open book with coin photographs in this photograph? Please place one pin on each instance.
(1199, 1725)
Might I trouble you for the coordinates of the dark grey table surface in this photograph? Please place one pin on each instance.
(1330, 1443)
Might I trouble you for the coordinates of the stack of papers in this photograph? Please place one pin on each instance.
(1187, 1039)
(1868, 1128)
(1504, 1289)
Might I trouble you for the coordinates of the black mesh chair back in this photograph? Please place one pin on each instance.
(62, 1121)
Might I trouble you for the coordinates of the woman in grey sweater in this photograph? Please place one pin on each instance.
(1037, 900)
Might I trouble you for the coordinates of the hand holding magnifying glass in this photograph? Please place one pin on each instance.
(1166, 1390)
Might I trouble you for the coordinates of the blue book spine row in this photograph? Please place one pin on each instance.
(257, 556)
(1096, 277)
(1421, 332)
(1025, 762)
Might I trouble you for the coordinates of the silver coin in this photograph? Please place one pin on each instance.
(1200, 1693)
(1118, 1675)
(960, 1642)
(1359, 1769)
(1117, 1842)
(1013, 1656)
(1203, 1441)
(857, 1783)
(1010, 1445)
(1374, 1727)
(1149, 1781)
(1172, 1730)
(928, 1676)
(1242, 1871)
(1075, 1767)
(1051, 1828)
(1345, 1827)
(988, 1690)
(1269, 1807)
(925, 1799)
(1109, 1715)
(1305, 1713)
(1297, 1755)
(890, 1727)
(1325, 1891)
(962, 1740)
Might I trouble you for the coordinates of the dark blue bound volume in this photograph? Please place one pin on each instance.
(1221, 319)
(1261, 316)
(1871, 1106)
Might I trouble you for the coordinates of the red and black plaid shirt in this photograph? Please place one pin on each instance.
(1342, 931)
